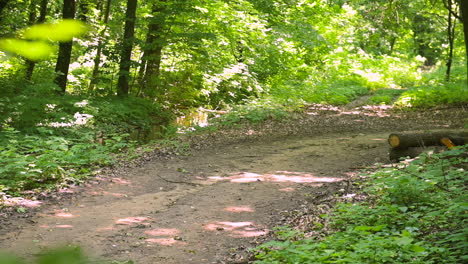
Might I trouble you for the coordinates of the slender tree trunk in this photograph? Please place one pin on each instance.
(65, 50)
(451, 38)
(97, 59)
(154, 45)
(3, 3)
(127, 46)
(30, 65)
(83, 10)
(464, 18)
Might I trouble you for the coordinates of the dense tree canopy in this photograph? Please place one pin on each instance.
(213, 52)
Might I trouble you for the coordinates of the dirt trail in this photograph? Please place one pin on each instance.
(202, 207)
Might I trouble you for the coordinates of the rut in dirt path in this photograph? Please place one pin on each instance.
(240, 193)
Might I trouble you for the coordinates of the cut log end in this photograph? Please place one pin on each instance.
(394, 140)
(447, 142)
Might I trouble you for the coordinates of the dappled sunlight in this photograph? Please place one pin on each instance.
(58, 226)
(164, 237)
(367, 110)
(237, 229)
(21, 202)
(64, 215)
(121, 181)
(132, 221)
(163, 232)
(279, 177)
(239, 209)
(104, 193)
(66, 190)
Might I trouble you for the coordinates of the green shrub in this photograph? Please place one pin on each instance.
(434, 95)
(253, 112)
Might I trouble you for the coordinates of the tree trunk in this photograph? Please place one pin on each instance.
(30, 65)
(65, 50)
(464, 18)
(127, 46)
(451, 38)
(3, 3)
(97, 59)
(83, 10)
(407, 140)
(154, 45)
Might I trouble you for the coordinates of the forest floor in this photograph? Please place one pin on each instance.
(222, 197)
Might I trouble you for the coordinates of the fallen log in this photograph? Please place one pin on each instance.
(396, 155)
(406, 140)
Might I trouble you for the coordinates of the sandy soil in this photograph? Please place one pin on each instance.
(226, 194)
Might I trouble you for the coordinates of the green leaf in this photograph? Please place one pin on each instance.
(403, 241)
(62, 31)
(417, 248)
(33, 50)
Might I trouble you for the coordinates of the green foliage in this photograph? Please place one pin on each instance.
(385, 96)
(47, 141)
(253, 112)
(415, 214)
(434, 90)
(62, 31)
(36, 161)
(66, 255)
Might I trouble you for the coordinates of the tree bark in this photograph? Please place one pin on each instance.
(3, 4)
(97, 59)
(406, 140)
(30, 65)
(451, 38)
(65, 50)
(127, 46)
(83, 10)
(464, 18)
(154, 45)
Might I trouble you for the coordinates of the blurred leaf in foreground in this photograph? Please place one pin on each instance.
(33, 50)
(62, 31)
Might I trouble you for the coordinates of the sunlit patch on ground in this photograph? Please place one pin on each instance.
(121, 181)
(103, 193)
(239, 209)
(56, 226)
(66, 190)
(279, 176)
(237, 229)
(163, 232)
(21, 202)
(64, 215)
(368, 110)
(132, 221)
(164, 236)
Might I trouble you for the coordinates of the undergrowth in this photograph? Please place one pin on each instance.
(66, 255)
(415, 213)
(46, 141)
(434, 90)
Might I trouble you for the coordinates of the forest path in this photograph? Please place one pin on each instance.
(202, 207)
